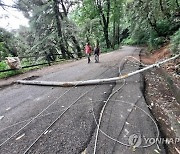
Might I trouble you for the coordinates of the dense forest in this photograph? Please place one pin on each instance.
(64, 26)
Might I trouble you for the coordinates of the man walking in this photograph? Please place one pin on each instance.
(96, 53)
(88, 51)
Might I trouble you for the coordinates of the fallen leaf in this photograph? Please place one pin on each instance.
(155, 150)
(8, 109)
(20, 137)
(1, 117)
(46, 132)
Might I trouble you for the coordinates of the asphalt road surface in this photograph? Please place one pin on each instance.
(49, 120)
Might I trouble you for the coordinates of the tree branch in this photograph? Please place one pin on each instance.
(64, 8)
(4, 5)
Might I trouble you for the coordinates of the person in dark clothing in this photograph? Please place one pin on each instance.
(96, 54)
(49, 57)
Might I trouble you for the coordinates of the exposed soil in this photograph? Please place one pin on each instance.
(172, 68)
(160, 98)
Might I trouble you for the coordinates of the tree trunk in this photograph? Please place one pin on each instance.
(114, 33)
(163, 9)
(124, 34)
(105, 21)
(106, 35)
(153, 25)
(79, 53)
(118, 34)
(107, 24)
(76, 43)
(177, 3)
(58, 23)
(64, 8)
(108, 11)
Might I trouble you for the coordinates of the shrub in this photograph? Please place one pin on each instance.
(3, 65)
(155, 42)
(129, 41)
(175, 42)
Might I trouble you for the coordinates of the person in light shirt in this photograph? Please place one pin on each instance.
(88, 51)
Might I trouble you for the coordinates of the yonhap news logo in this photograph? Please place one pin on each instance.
(137, 140)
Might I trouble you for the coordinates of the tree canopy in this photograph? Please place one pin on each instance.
(64, 26)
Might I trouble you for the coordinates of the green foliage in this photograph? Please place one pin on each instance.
(6, 43)
(152, 22)
(11, 45)
(3, 51)
(164, 26)
(155, 42)
(4, 66)
(175, 42)
(147, 22)
(46, 33)
(10, 73)
(87, 18)
(129, 41)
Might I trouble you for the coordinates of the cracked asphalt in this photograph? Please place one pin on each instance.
(74, 132)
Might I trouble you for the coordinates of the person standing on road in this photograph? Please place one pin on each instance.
(96, 53)
(88, 51)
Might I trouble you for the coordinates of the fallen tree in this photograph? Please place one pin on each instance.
(95, 81)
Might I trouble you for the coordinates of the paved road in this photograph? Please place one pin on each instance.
(26, 112)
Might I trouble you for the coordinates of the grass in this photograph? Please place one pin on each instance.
(16, 72)
(4, 66)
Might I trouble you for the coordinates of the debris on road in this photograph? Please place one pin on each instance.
(18, 138)
(1, 117)
(95, 81)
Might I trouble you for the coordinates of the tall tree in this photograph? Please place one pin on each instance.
(153, 17)
(65, 9)
(104, 11)
(47, 20)
(58, 22)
